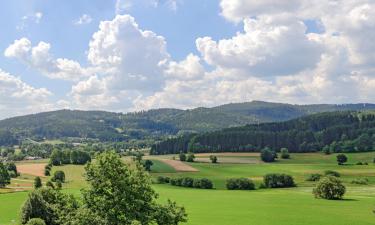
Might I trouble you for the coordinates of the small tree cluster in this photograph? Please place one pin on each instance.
(240, 184)
(276, 180)
(190, 157)
(58, 176)
(78, 157)
(267, 155)
(213, 158)
(329, 188)
(202, 183)
(163, 180)
(332, 173)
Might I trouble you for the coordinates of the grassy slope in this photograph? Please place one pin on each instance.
(261, 207)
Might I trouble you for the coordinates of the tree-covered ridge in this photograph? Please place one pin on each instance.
(152, 124)
(334, 131)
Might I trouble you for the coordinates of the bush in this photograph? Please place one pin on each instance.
(278, 180)
(341, 159)
(361, 181)
(147, 165)
(182, 157)
(240, 184)
(204, 183)
(329, 188)
(36, 221)
(267, 155)
(213, 158)
(163, 180)
(332, 173)
(187, 182)
(284, 153)
(190, 157)
(58, 175)
(176, 181)
(359, 163)
(314, 177)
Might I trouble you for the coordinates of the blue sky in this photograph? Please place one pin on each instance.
(125, 55)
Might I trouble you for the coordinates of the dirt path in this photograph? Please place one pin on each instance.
(179, 166)
(35, 169)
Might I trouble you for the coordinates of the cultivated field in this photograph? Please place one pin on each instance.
(292, 206)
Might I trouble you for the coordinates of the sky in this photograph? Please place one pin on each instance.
(130, 55)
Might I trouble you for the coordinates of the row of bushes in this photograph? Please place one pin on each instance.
(269, 181)
(202, 183)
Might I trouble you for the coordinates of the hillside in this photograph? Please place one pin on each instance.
(108, 126)
(347, 131)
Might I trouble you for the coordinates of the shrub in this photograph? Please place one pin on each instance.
(314, 177)
(163, 180)
(59, 175)
(176, 181)
(359, 163)
(36, 221)
(329, 188)
(182, 157)
(213, 158)
(37, 182)
(332, 173)
(284, 153)
(240, 184)
(341, 159)
(204, 183)
(275, 180)
(187, 182)
(361, 181)
(326, 150)
(147, 165)
(267, 155)
(190, 157)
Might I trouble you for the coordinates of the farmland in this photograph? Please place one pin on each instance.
(264, 206)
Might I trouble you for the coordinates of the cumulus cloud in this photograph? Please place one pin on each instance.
(17, 97)
(40, 58)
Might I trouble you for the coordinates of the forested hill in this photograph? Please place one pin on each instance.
(108, 126)
(335, 131)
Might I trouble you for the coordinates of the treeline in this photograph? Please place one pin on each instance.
(338, 131)
(77, 157)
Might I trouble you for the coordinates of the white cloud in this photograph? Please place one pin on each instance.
(17, 97)
(84, 19)
(40, 58)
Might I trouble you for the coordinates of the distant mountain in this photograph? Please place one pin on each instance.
(156, 123)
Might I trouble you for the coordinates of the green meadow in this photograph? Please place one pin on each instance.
(292, 206)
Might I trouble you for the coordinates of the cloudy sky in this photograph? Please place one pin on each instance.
(125, 55)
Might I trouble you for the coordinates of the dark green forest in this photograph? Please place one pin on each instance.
(154, 124)
(332, 131)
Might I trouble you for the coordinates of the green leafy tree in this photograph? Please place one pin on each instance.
(341, 159)
(190, 157)
(59, 176)
(121, 194)
(329, 188)
(37, 182)
(182, 157)
(326, 150)
(284, 153)
(267, 155)
(147, 164)
(4, 176)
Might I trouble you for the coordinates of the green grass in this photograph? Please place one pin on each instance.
(295, 206)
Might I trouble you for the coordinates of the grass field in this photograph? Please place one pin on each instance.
(294, 206)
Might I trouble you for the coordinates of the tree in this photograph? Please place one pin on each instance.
(11, 166)
(59, 175)
(284, 153)
(275, 180)
(56, 157)
(147, 164)
(125, 190)
(341, 159)
(4, 176)
(37, 183)
(267, 155)
(329, 188)
(190, 157)
(36, 221)
(182, 157)
(326, 150)
(213, 158)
